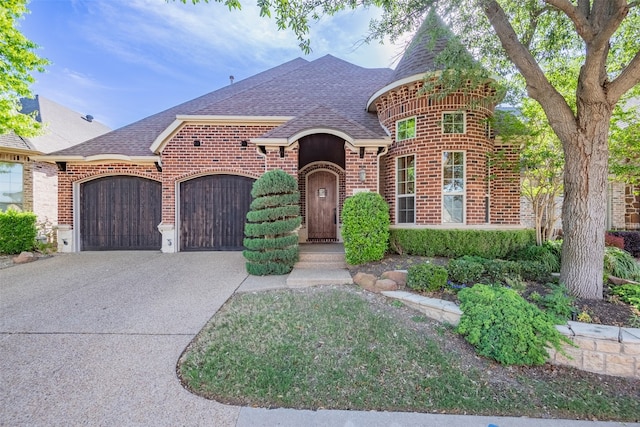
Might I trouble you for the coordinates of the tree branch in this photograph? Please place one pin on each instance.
(612, 20)
(629, 77)
(576, 15)
(538, 86)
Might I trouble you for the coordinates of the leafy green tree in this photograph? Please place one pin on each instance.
(624, 142)
(17, 61)
(524, 40)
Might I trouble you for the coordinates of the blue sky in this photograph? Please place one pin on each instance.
(123, 60)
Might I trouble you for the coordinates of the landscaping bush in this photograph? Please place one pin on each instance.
(545, 254)
(535, 271)
(502, 325)
(500, 271)
(628, 293)
(426, 277)
(452, 243)
(621, 264)
(612, 240)
(465, 270)
(274, 216)
(631, 241)
(365, 228)
(558, 303)
(17, 231)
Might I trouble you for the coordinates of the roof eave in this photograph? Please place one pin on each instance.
(163, 138)
(98, 158)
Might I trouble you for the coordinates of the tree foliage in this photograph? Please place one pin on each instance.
(17, 61)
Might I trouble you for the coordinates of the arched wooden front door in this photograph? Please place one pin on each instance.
(322, 206)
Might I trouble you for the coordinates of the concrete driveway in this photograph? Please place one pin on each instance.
(93, 338)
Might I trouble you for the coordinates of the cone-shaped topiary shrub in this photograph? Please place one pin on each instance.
(365, 228)
(274, 216)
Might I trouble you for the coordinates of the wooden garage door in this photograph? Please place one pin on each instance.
(213, 211)
(120, 213)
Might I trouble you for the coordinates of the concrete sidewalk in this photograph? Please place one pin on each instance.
(93, 339)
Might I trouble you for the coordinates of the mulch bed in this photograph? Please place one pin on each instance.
(608, 311)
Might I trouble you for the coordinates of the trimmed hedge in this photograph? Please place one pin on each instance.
(271, 238)
(17, 231)
(455, 243)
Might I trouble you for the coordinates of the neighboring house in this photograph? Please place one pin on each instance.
(29, 185)
(180, 180)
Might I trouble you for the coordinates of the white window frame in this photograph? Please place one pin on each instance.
(405, 195)
(415, 128)
(454, 123)
(462, 192)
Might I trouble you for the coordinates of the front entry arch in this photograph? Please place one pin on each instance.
(322, 206)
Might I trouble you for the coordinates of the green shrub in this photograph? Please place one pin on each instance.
(536, 271)
(452, 243)
(621, 264)
(502, 325)
(271, 240)
(365, 228)
(558, 303)
(499, 270)
(628, 293)
(465, 270)
(17, 231)
(545, 255)
(426, 277)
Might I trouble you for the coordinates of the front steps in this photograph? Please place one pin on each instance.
(320, 264)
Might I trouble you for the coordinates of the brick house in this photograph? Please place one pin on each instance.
(30, 185)
(180, 180)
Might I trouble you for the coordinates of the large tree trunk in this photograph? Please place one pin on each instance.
(584, 207)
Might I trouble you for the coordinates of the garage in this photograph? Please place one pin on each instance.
(213, 210)
(120, 213)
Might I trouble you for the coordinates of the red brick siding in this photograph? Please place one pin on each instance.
(428, 145)
(505, 186)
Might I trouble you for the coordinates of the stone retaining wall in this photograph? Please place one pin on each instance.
(600, 349)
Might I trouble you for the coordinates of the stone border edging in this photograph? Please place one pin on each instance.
(601, 349)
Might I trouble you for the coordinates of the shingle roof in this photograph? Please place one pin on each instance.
(321, 116)
(136, 138)
(63, 127)
(11, 140)
(287, 90)
(421, 56)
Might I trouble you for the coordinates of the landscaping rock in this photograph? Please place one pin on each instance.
(400, 277)
(366, 281)
(386, 285)
(24, 257)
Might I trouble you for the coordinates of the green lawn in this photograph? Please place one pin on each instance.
(343, 348)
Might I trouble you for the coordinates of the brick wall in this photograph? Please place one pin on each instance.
(505, 185)
(632, 208)
(45, 190)
(428, 146)
(220, 150)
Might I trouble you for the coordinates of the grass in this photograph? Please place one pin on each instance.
(341, 348)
